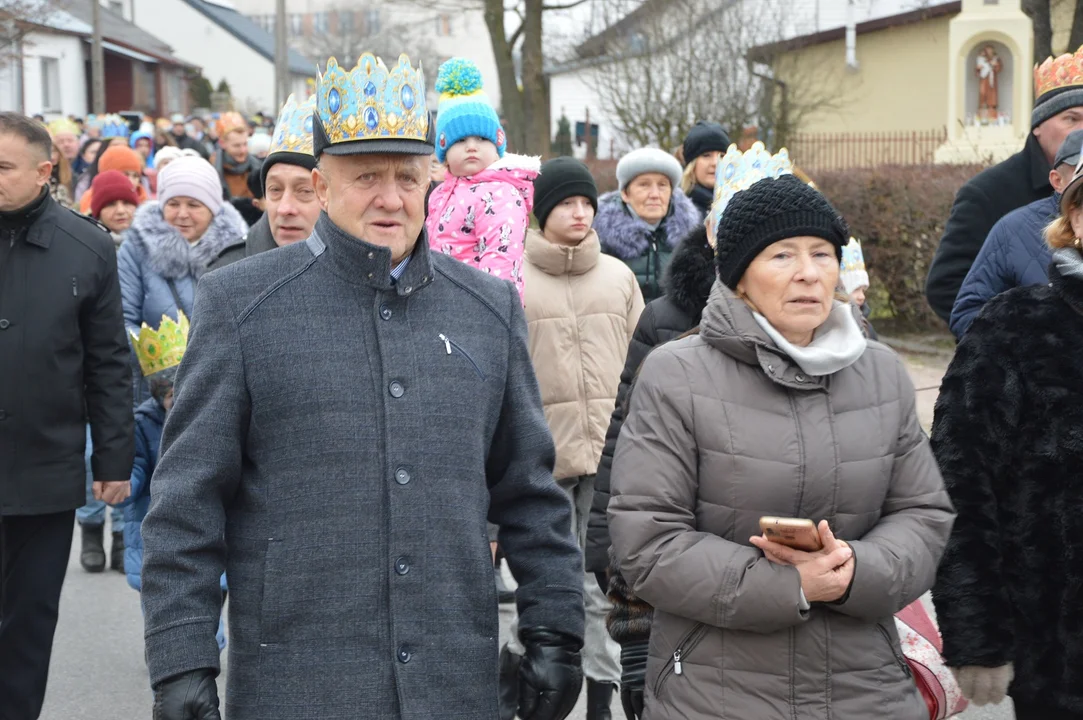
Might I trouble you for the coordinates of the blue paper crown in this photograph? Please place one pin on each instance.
(293, 130)
(114, 126)
(739, 171)
(371, 109)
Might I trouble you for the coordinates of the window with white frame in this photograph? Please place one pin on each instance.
(321, 22)
(50, 85)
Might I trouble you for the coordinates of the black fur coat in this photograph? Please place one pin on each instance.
(1008, 434)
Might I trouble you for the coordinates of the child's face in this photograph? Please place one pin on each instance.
(858, 296)
(470, 156)
(167, 401)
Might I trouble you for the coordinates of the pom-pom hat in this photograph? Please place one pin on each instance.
(464, 110)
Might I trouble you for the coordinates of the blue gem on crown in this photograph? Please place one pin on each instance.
(370, 102)
(739, 171)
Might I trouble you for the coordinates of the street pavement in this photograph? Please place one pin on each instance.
(98, 671)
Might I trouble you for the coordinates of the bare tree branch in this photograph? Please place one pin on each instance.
(566, 6)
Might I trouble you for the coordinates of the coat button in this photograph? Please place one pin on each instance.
(405, 655)
(4, 324)
(402, 566)
(385, 312)
(799, 378)
(396, 389)
(402, 477)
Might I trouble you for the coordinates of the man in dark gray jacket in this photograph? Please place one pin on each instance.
(63, 363)
(350, 412)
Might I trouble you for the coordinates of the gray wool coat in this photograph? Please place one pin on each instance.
(337, 445)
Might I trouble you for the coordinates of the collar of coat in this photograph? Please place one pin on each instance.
(691, 273)
(729, 326)
(363, 263)
(627, 237)
(1039, 166)
(554, 259)
(167, 252)
(1066, 277)
(259, 238)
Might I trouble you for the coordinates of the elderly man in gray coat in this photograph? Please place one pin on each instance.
(350, 412)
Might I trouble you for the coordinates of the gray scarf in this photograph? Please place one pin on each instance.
(837, 344)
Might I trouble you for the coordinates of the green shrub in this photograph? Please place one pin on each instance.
(898, 213)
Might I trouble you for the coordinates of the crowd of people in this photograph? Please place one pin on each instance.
(330, 377)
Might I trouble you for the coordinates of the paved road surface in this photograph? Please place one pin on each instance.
(98, 671)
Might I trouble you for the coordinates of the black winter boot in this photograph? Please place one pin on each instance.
(509, 683)
(116, 552)
(599, 696)
(92, 557)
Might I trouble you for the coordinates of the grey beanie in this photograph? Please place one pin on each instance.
(648, 160)
(1055, 102)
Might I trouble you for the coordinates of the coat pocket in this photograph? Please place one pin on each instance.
(270, 611)
(894, 647)
(450, 346)
(685, 646)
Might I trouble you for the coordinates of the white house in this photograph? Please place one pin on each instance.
(46, 69)
(227, 45)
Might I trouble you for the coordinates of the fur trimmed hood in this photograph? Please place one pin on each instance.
(627, 237)
(168, 254)
(691, 273)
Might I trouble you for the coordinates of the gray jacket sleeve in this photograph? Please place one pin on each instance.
(533, 514)
(197, 474)
(896, 561)
(664, 558)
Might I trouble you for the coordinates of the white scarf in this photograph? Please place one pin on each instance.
(837, 344)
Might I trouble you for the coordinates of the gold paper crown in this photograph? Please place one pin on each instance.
(1058, 73)
(62, 125)
(738, 171)
(163, 348)
(293, 130)
(371, 102)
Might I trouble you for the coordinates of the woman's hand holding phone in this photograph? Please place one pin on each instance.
(825, 574)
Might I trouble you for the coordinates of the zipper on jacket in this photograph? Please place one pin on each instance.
(74, 287)
(686, 645)
(896, 650)
(449, 343)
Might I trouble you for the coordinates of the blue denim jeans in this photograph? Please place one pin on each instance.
(93, 513)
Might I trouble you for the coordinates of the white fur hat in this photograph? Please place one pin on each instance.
(648, 160)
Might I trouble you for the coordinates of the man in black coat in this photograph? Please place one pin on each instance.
(64, 362)
(1020, 180)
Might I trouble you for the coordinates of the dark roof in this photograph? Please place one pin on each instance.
(252, 35)
(764, 53)
(117, 30)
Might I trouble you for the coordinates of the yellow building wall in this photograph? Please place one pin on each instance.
(901, 83)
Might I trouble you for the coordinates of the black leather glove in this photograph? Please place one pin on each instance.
(631, 699)
(188, 696)
(550, 675)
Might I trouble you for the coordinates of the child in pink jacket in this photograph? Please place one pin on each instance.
(480, 214)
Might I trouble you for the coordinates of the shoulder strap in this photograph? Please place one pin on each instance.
(176, 295)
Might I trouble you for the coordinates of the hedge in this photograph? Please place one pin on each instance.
(898, 213)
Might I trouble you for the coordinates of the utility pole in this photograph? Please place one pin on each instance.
(282, 64)
(97, 59)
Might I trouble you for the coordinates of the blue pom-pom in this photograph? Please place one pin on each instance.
(458, 76)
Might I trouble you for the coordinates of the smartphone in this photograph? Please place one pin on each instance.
(798, 533)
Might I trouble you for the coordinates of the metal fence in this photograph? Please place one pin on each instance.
(817, 152)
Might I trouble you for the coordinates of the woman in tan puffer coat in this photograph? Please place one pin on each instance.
(779, 406)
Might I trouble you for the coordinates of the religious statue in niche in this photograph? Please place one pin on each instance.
(987, 67)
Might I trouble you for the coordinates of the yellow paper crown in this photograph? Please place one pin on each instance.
(62, 125)
(293, 130)
(1058, 73)
(163, 348)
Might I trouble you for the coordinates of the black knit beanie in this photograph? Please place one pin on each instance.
(559, 179)
(704, 137)
(771, 210)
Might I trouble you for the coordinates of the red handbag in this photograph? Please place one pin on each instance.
(921, 646)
